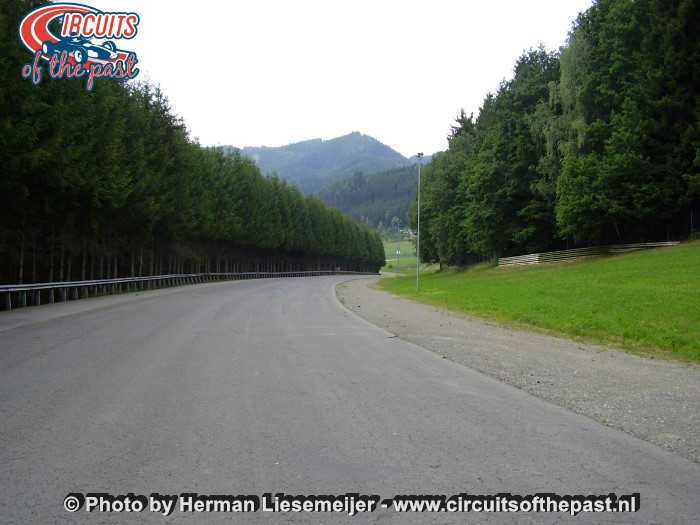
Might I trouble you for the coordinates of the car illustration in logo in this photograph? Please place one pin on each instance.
(81, 49)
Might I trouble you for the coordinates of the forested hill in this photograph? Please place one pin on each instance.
(375, 199)
(313, 164)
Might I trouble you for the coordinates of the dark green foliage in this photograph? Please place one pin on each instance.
(108, 183)
(314, 164)
(631, 170)
(482, 197)
(379, 200)
(596, 144)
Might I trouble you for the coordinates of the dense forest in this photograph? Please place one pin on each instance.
(378, 200)
(108, 183)
(597, 143)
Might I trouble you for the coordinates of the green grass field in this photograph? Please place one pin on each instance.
(405, 263)
(647, 302)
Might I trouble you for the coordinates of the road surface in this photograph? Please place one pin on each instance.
(271, 385)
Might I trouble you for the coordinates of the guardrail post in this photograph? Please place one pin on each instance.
(23, 299)
(8, 301)
(37, 298)
(51, 296)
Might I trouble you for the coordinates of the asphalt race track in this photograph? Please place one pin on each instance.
(272, 385)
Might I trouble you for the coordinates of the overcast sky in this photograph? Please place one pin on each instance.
(263, 72)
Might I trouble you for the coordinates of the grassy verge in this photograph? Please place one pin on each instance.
(647, 302)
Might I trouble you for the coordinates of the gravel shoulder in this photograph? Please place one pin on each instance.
(658, 401)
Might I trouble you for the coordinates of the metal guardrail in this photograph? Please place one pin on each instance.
(577, 253)
(82, 289)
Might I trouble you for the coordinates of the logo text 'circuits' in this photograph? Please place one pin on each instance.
(78, 41)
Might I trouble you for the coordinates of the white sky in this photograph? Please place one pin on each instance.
(272, 72)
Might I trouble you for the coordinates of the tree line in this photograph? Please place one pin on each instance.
(597, 143)
(110, 184)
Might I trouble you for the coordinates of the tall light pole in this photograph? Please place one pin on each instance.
(420, 156)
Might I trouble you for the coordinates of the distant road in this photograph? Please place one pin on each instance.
(272, 386)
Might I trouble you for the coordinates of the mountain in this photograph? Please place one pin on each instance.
(375, 198)
(314, 164)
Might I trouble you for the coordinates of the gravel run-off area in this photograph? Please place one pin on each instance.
(658, 401)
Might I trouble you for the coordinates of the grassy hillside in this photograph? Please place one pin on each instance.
(313, 164)
(647, 302)
(405, 263)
